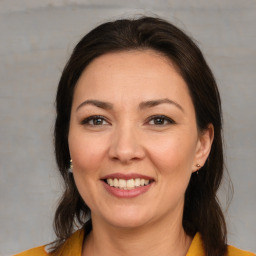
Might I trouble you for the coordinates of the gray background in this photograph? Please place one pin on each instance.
(37, 38)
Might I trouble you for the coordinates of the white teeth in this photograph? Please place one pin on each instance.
(122, 183)
(116, 183)
(110, 182)
(130, 183)
(137, 182)
(127, 184)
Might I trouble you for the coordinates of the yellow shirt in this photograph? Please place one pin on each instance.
(73, 247)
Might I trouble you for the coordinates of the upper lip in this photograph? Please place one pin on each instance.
(127, 176)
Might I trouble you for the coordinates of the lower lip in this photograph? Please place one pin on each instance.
(122, 193)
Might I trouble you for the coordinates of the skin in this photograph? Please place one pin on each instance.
(128, 138)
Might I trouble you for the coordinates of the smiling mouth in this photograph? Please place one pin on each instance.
(127, 184)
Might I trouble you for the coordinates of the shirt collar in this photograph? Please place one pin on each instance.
(196, 248)
(73, 245)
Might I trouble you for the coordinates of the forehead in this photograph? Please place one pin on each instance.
(128, 75)
(142, 63)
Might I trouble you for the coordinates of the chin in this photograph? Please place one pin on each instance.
(127, 219)
(127, 223)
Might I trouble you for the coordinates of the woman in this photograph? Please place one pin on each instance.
(138, 143)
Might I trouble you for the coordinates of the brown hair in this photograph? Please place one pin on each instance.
(202, 212)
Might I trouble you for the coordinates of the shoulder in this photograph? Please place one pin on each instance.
(233, 251)
(38, 251)
(197, 249)
(72, 245)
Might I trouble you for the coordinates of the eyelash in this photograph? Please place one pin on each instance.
(93, 118)
(163, 118)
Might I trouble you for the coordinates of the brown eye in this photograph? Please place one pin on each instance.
(95, 121)
(160, 120)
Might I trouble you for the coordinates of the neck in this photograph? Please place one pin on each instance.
(149, 240)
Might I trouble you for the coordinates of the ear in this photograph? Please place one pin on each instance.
(203, 148)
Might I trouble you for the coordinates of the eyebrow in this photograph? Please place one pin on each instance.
(142, 105)
(97, 103)
(153, 103)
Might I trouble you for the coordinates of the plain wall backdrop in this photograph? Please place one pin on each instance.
(37, 38)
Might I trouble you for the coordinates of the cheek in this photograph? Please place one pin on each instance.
(173, 154)
(172, 160)
(87, 153)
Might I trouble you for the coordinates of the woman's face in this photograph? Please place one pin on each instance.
(133, 139)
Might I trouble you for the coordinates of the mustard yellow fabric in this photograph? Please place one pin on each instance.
(73, 247)
(196, 249)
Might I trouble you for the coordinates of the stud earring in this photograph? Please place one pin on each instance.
(70, 169)
(198, 166)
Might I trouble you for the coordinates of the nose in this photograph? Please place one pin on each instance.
(126, 146)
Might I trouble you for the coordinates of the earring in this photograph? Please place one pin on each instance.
(70, 169)
(198, 166)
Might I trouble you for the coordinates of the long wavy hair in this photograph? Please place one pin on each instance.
(202, 212)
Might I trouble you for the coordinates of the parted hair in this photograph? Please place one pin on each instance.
(202, 212)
